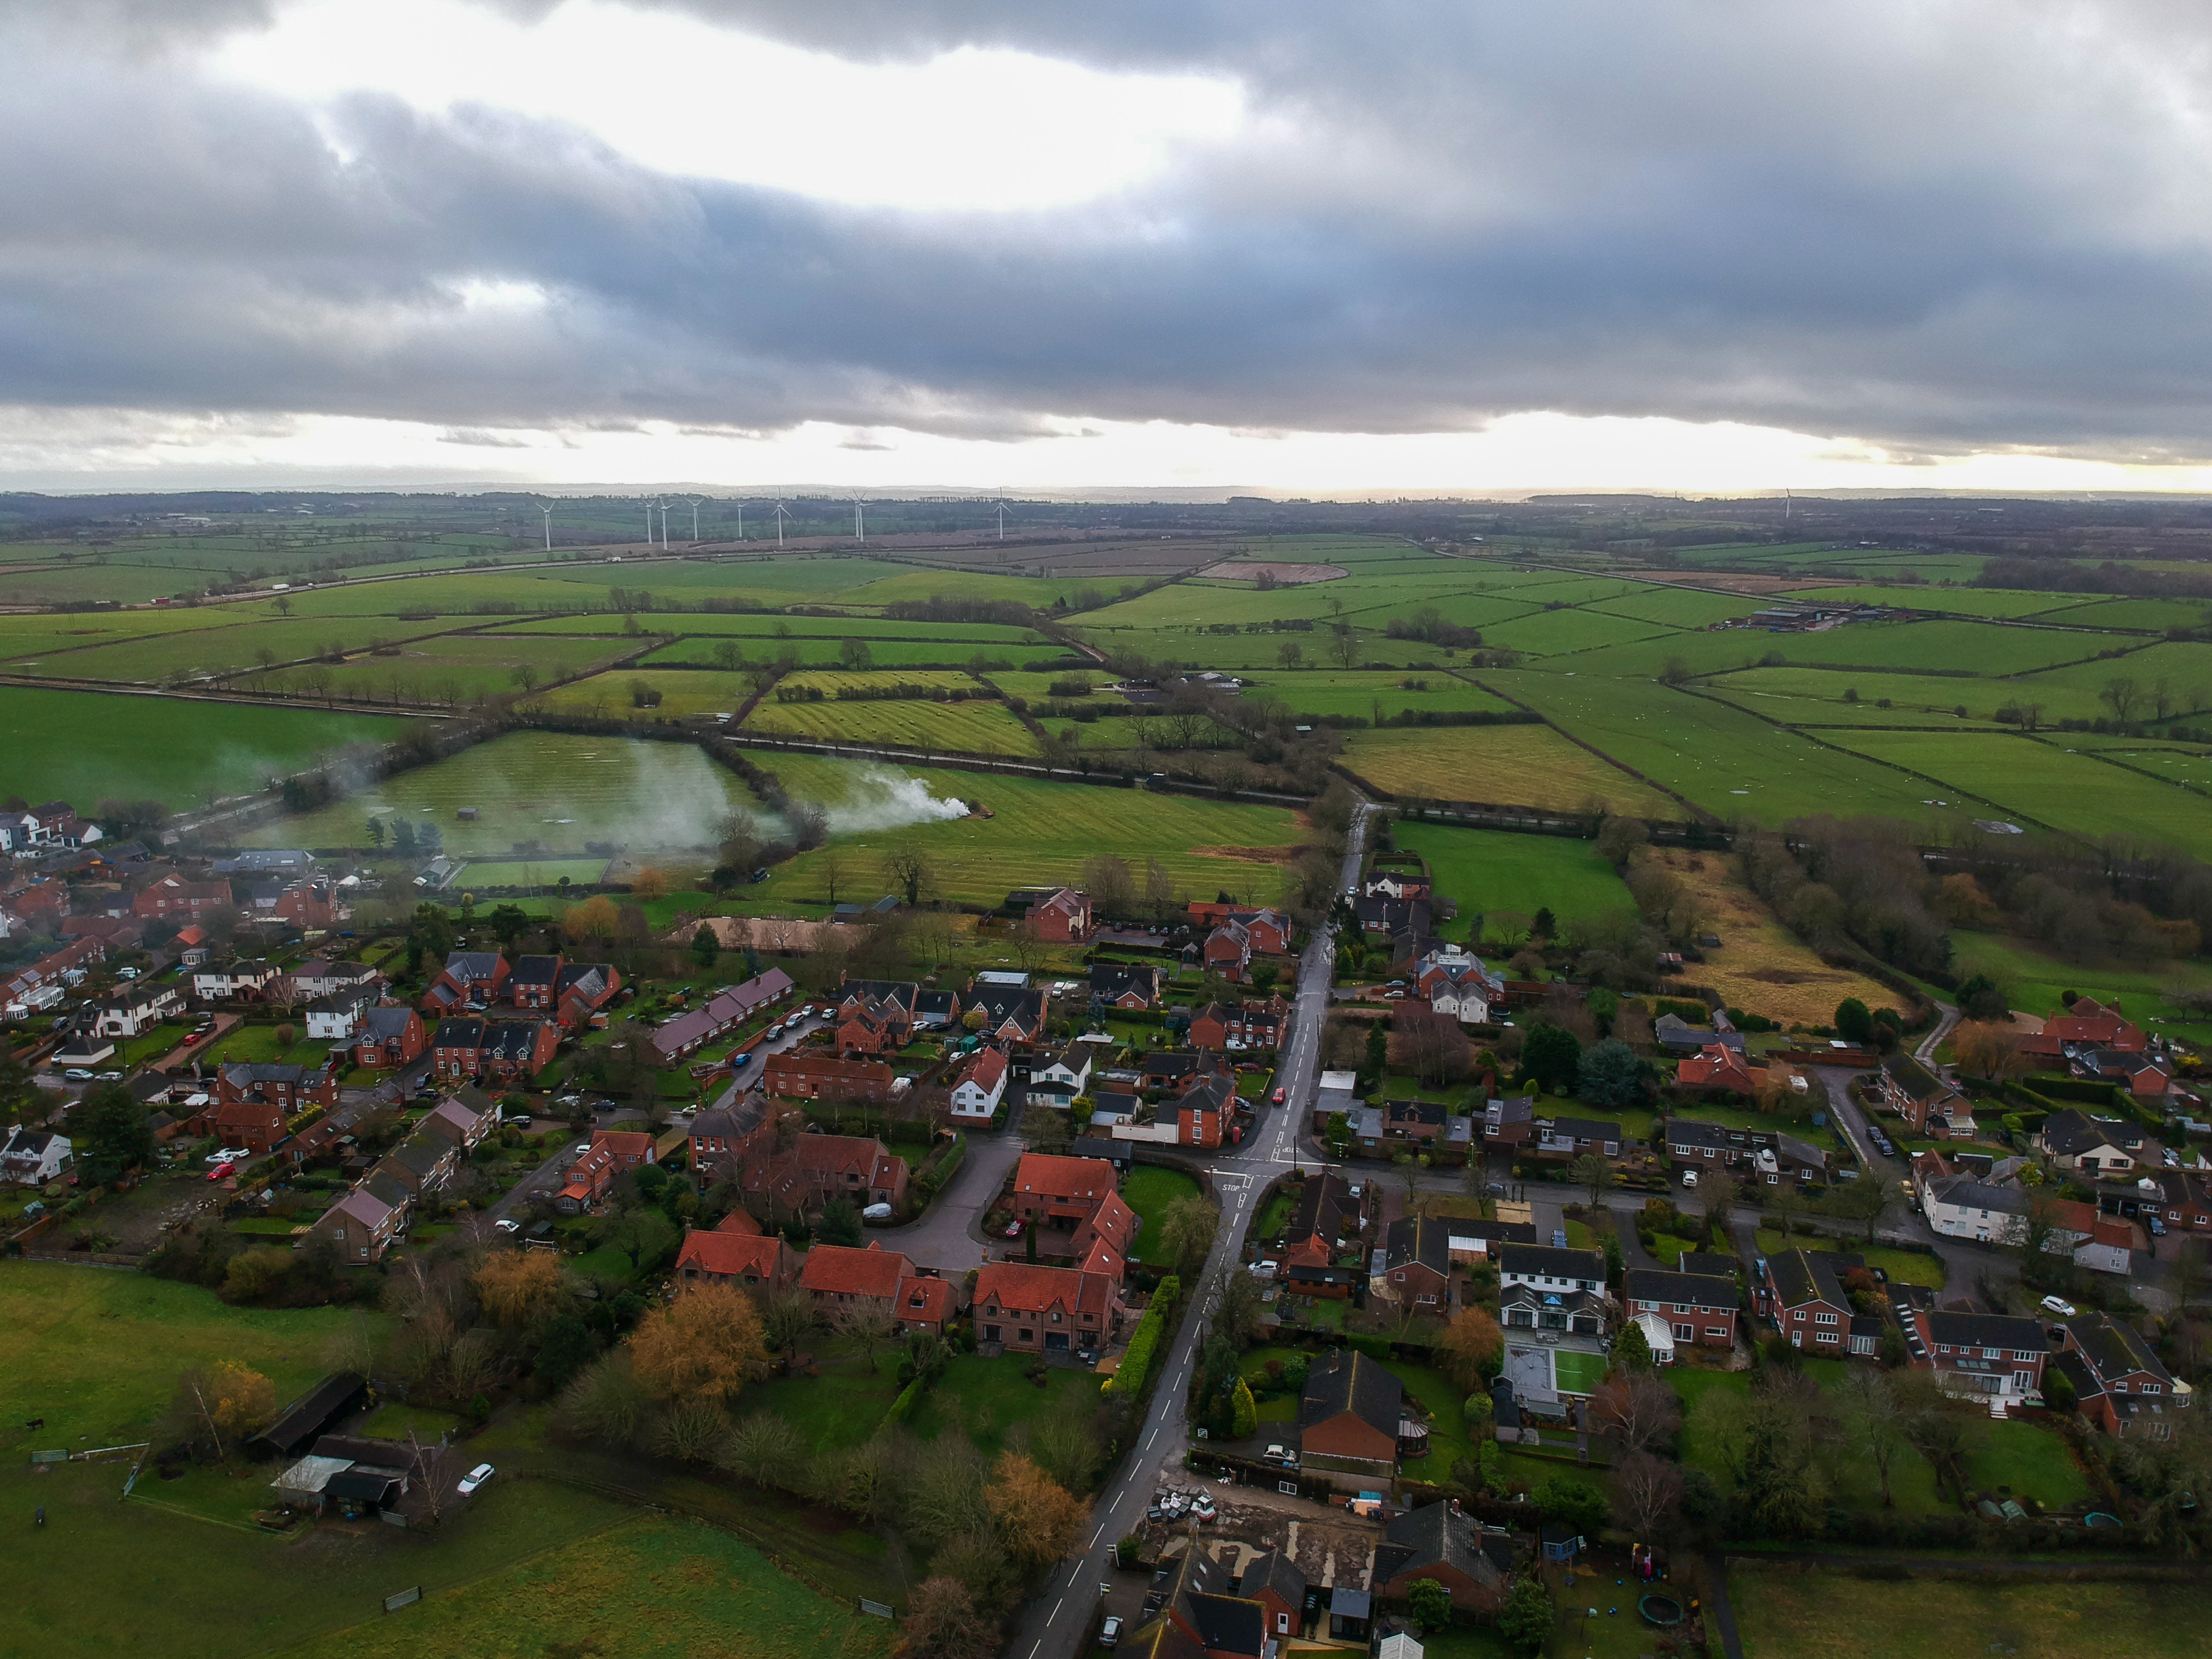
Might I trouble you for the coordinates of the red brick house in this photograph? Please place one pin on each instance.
(613, 1152)
(758, 1261)
(1123, 985)
(390, 1036)
(1442, 1542)
(583, 990)
(497, 1051)
(256, 1125)
(2087, 1024)
(1928, 1105)
(1079, 1196)
(815, 1169)
(2119, 1384)
(1201, 1117)
(1718, 1067)
(1247, 1024)
(1268, 932)
(794, 1075)
(1046, 1310)
(1278, 1585)
(172, 898)
(1699, 1308)
(875, 1016)
(1992, 1357)
(1057, 916)
(1803, 1294)
(1348, 1418)
(290, 1089)
(1417, 1265)
(360, 1225)
(469, 979)
(531, 985)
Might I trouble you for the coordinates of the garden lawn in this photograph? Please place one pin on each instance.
(393, 1421)
(80, 746)
(658, 1588)
(985, 1399)
(1448, 1436)
(1492, 870)
(1149, 1190)
(1787, 1614)
(1906, 1267)
(97, 1353)
(840, 1408)
(1510, 765)
(259, 1044)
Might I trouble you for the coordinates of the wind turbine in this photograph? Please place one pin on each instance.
(548, 511)
(741, 520)
(694, 519)
(859, 525)
(648, 521)
(1785, 504)
(780, 515)
(1002, 520)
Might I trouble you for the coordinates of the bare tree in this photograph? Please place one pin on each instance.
(830, 866)
(1875, 1424)
(868, 1325)
(1636, 1409)
(908, 868)
(1647, 1491)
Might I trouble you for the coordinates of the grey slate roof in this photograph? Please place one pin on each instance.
(1352, 1383)
(1688, 1289)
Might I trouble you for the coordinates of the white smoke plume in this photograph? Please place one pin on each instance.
(880, 800)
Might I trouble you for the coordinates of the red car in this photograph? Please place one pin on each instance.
(222, 1171)
(1279, 1096)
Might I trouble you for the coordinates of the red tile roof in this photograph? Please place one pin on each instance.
(841, 1270)
(984, 1071)
(623, 1143)
(925, 1301)
(1025, 1289)
(730, 1256)
(738, 1221)
(1049, 1175)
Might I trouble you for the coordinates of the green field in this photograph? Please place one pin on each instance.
(550, 788)
(1514, 765)
(1312, 692)
(682, 691)
(79, 746)
(1677, 607)
(2034, 980)
(2042, 783)
(1489, 872)
(1553, 633)
(1733, 764)
(1784, 1613)
(1042, 832)
(1817, 697)
(97, 1353)
(957, 728)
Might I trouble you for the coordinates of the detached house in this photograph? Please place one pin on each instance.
(1221, 1025)
(1046, 1310)
(1572, 1137)
(1059, 1080)
(2119, 1384)
(1442, 1542)
(1928, 1105)
(338, 1017)
(360, 1226)
(1348, 1420)
(390, 1036)
(1803, 1294)
(1719, 1068)
(1057, 915)
(32, 1155)
(1417, 1266)
(1011, 1013)
(290, 1089)
(1116, 985)
(612, 1153)
(136, 1009)
(834, 1276)
(979, 1087)
(470, 980)
(2096, 1147)
(1986, 1355)
(818, 1167)
(172, 898)
(1699, 1310)
(738, 1255)
(874, 1016)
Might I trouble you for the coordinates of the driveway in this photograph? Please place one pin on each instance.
(950, 1236)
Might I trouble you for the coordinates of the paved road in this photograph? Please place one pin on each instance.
(951, 1236)
(1053, 1624)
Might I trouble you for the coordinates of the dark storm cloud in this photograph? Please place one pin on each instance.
(1939, 227)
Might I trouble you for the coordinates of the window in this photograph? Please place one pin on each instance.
(1025, 1336)
(2150, 1388)
(1686, 1332)
(990, 1333)
(1824, 1318)
(1715, 1332)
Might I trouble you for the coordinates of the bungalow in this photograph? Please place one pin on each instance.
(1120, 985)
(360, 1225)
(391, 1034)
(739, 1254)
(612, 1153)
(2086, 1025)
(1417, 1266)
(1698, 1308)
(1187, 1614)
(1061, 1078)
(338, 1017)
(469, 979)
(1803, 1293)
(1441, 1543)
(1678, 1037)
(1719, 1068)
(238, 981)
(136, 1009)
(1701, 1146)
(1046, 1310)
(724, 1011)
(2119, 1383)
(2096, 1147)
(1928, 1105)
(1993, 1357)
(979, 1087)
(1348, 1418)
(1776, 1155)
(794, 1075)
(32, 1155)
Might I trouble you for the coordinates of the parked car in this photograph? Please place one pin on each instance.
(78, 1074)
(1689, 1177)
(222, 1171)
(504, 1225)
(1110, 1631)
(2157, 1227)
(229, 1155)
(1279, 1096)
(1014, 1229)
(475, 1477)
(2052, 1304)
(876, 1212)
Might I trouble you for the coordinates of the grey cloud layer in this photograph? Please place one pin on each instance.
(1938, 227)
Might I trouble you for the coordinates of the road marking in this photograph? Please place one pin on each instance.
(1056, 1607)
(1093, 1544)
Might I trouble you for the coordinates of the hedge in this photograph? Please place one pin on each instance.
(903, 1407)
(1136, 1368)
(2076, 1088)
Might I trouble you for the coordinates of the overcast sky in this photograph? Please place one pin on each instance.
(1714, 245)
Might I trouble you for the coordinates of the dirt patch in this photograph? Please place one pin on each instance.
(1291, 576)
(760, 932)
(1247, 854)
(1781, 976)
